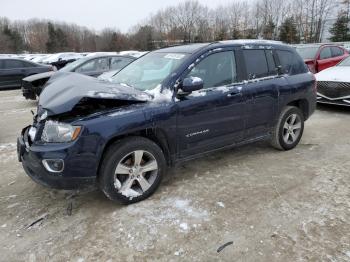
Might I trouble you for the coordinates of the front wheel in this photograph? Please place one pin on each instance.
(131, 170)
(289, 129)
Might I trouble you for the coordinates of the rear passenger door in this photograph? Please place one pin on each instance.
(262, 84)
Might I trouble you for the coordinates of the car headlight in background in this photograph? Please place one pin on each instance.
(56, 132)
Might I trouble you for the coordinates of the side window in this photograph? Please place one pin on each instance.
(217, 69)
(336, 51)
(291, 63)
(12, 64)
(119, 62)
(325, 53)
(99, 64)
(2, 64)
(27, 64)
(256, 63)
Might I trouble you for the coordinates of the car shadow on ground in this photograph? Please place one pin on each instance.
(333, 108)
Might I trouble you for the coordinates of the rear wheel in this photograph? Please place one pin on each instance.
(289, 129)
(131, 170)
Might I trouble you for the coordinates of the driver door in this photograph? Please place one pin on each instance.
(213, 117)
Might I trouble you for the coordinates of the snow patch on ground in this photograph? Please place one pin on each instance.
(220, 204)
(184, 226)
(8, 146)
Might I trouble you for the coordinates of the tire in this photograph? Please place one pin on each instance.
(287, 134)
(121, 176)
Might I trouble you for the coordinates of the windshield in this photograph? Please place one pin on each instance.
(307, 52)
(345, 62)
(150, 70)
(69, 67)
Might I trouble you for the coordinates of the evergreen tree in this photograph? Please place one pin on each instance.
(269, 29)
(57, 39)
(16, 43)
(288, 31)
(340, 29)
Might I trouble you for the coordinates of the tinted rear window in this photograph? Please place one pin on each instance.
(256, 63)
(291, 63)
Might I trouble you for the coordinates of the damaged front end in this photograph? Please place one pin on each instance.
(63, 146)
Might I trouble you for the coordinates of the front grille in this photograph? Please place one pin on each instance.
(333, 89)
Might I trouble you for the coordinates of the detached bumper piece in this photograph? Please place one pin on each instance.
(336, 93)
(34, 165)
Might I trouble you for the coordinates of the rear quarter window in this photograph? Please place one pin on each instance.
(291, 63)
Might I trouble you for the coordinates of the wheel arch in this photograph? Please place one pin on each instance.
(303, 105)
(156, 135)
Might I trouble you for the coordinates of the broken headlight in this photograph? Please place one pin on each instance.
(56, 132)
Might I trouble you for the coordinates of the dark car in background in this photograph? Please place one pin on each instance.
(168, 106)
(59, 60)
(12, 71)
(321, 56)
(91, 66)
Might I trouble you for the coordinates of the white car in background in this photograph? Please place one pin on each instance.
(333, 84)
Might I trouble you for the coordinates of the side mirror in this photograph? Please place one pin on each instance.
(191, 84)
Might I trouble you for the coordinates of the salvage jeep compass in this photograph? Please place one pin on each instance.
(171, 105)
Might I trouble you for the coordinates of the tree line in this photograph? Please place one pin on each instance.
(290, 21)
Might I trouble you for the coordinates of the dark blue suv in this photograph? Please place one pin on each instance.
(171, 105)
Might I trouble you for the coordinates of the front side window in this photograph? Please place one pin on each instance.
(11, 64)
(119, 62)
(215, 70)
(100, 64)
(150, 70)
(325, 53)
(256, 63)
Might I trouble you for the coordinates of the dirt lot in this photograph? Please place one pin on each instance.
(274, 206)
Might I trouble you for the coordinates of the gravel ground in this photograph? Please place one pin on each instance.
(273, 206)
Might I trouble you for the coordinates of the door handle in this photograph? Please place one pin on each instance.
(235, 92)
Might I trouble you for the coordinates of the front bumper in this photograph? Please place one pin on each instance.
(332, 101)
(79, 171)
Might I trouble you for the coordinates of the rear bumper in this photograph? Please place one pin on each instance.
(31, 159)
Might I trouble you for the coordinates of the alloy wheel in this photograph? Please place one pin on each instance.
(135, 173)
(292, 129)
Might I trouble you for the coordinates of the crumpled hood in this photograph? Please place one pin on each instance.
(39, 76)
(64, 93)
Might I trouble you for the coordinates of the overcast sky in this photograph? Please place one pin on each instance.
(121, 14)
